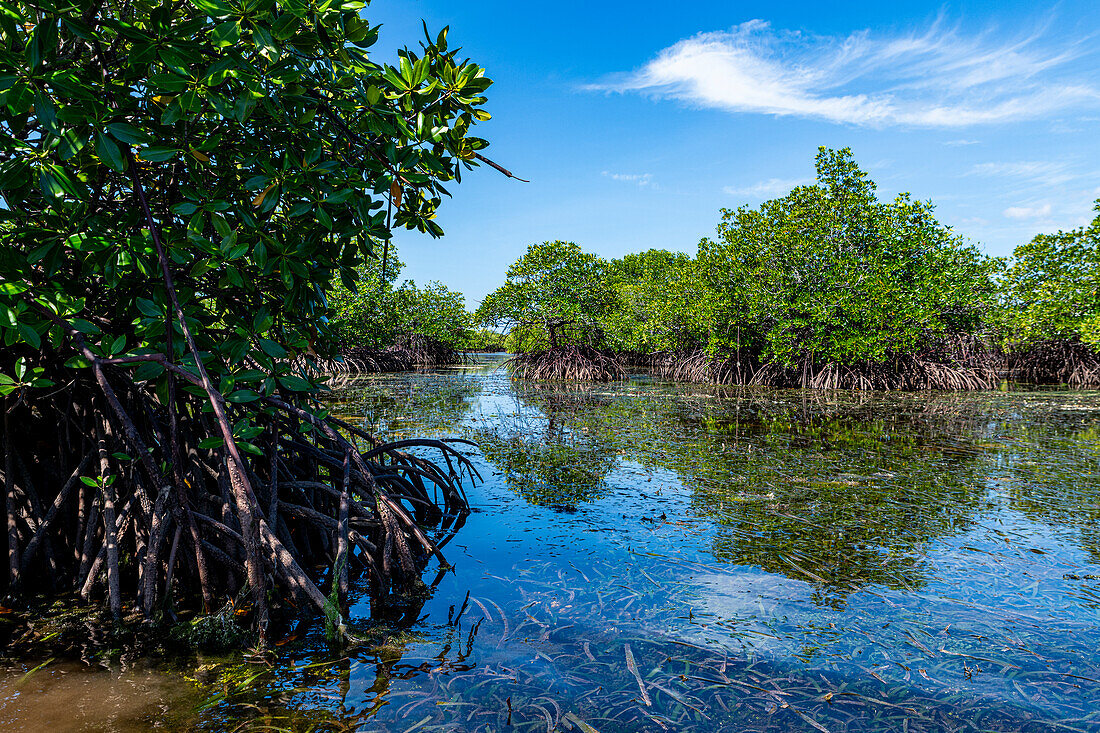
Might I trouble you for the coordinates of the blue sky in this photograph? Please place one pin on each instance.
(637, 122)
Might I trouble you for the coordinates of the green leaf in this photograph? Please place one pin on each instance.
(12, 288)
(212, 442)
(148, 308)
(158, 153)
(85, 327)
(243, 395)
(108, 151)
(147, 371)
(127, 133)
(249, 448)
(30, 336)
(71, 143)
(296, 384)
(272, 349)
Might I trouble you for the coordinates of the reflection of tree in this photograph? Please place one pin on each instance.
(843, 504)
(1052, 475)
(410, 404)
(840, 492)
(542, 458)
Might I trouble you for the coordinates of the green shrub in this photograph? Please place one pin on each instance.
(829, 274)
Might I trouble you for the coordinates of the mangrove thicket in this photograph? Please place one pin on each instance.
(826, 287)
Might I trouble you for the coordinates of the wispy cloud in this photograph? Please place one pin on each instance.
(1050, 173)
(1037, 211)
(770, 187)
(959, 143)
(638, 179)
(934, 78)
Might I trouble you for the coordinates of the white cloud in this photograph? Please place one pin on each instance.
(938, 78)
(957, 143)
(1045, 172)
(764, 189)
(1028, 212)
(638, 179)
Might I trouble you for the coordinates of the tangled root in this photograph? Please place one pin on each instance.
(567, 364)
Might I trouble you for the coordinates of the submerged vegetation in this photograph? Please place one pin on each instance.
(760, 560)
(827, 287)
(180, 183)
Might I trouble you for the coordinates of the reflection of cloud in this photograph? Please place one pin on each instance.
(639, 179)
(1027, 212)
(935, 78)
(770, 187)
(747, 602)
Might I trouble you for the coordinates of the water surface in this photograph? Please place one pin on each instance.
(649, 556)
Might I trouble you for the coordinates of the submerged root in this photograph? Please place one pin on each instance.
(567, 364)
(123, 491)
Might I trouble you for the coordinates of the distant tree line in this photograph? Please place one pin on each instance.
(374, 312)
(825, 287)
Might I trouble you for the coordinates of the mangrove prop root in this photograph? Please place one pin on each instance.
(953, 366)
(182, 450)
(131, 517)
(569, 363)
(956, 364)
(406, 354)
(1055, 361)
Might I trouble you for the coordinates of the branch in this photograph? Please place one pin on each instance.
(502, 169)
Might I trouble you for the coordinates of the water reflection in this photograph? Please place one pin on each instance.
(543, 455)
(839, 493)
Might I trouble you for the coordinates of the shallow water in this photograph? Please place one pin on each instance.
(646, 556)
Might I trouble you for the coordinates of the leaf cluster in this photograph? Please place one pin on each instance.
(257, 143)
(379, 311)
(1051, 290)
(555, 289)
